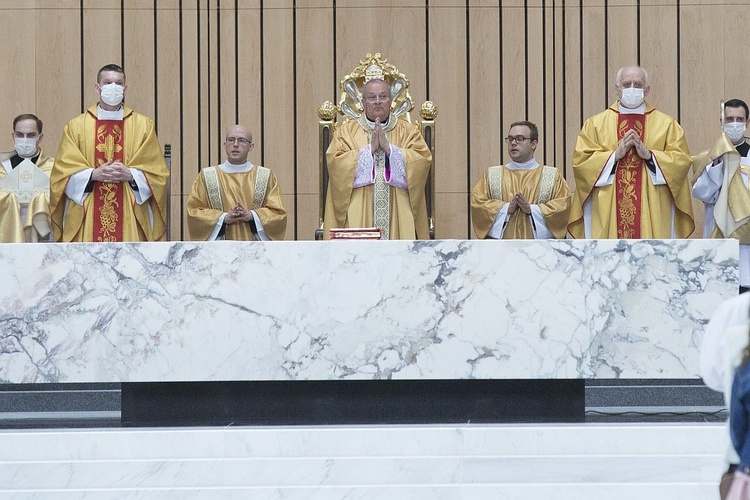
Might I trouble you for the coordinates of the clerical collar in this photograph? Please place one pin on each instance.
(632, 111)
(16, 159)
(527, 165)
(232, 168)
(103, 114)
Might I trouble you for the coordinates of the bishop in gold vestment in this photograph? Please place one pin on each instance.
(361, 170)
(631, 164)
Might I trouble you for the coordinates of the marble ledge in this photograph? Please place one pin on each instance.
(441, 309)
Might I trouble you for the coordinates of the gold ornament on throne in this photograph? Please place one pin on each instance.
(373, 66)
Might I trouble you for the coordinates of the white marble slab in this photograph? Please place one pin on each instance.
(358, 310)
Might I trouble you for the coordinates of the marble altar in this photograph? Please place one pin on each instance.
(444, 309)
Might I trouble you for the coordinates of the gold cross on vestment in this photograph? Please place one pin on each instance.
(109, 148)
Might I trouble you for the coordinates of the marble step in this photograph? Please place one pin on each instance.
(642, 461)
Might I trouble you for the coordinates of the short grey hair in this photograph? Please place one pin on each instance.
(618, 78)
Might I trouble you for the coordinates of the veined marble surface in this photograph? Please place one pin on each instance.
(359, 310)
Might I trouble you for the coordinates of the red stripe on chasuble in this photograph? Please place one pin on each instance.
(108, 196)
(628, 180)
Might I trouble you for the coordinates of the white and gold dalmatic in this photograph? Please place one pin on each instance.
(730, 213)
(544, 188)
(24, 199)
(393, 197)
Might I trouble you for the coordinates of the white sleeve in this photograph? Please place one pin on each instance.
(607, 176)
(498, 227)
(143, 193)
(708, 184)
(75, 190)
(262, 236)
(541, 231)
(657, 177)
(712, 353)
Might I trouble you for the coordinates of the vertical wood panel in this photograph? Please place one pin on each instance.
(101, 43)
(315, 82)
(249, 73)
(139, 56)
(168, 103)
(58, 53)
(371, 29)
(622, 42)
(594, 62)
(17, 68)
(279, 95)
(448, 81)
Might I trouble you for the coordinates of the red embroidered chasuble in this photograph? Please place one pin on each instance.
(108, 196)
(628, 180)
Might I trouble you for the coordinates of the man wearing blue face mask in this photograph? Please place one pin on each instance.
(720, 181)
(25, 218)
(631, 165)
(109, 181)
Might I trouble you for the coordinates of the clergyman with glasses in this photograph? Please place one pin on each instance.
(378, 167)
(631, 165)
(236, 200)
(521, 199)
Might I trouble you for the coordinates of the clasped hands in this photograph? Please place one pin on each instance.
(630, 140)
(379, 141)
(519, 203)
(238, 213)
(112, 171)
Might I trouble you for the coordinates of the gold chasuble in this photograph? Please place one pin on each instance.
(110, 211)
(551, 196)
(632, 206)
(347, 207)
(36, 223)
(236, 187)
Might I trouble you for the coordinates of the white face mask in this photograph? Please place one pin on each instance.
(632, 97)
(25, 146)
(735, 131)
(112, 94)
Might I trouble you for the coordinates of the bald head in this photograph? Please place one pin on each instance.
(238, 143)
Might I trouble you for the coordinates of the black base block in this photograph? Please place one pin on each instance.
(351, 402)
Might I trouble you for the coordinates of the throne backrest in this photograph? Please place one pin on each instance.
(350, 107)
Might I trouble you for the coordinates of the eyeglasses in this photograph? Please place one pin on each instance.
(237, 140)
(518, 138)
(376, 98)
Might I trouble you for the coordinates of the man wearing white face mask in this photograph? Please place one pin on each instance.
(109, 181)
(631, 165)
(28, 220)
(720, 181)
